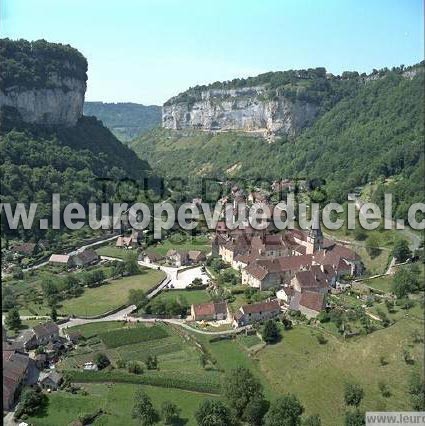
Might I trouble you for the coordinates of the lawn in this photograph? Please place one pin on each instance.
(112, 251)
(95, 301)
(190, 296)
(196, 243)
(380, 283)
(317, 373)
(117, 401)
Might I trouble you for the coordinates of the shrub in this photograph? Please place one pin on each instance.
(321, 339)
(134, 368)
(102, 361)
(384, 389)
(353, 394)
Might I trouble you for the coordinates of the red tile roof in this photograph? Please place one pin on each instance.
(312, 300)
(256, 308)
(210, 309)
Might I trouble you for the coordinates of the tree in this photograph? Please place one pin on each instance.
(255, 411)
(72, 285)
(285, 410)
(372, 246)
(31, 401)
(212, 413)
(101, 360)
(137, 297)
(152, 362)
(271, 333)
(384, 389)
(405, 281)
(417, 392)
(134, 367)
(118, 269)
(353, 394)
(170, 413)
(401, 250)
(143, 409)
(354, 418)
(130, 264)
(313, 420)
(240, 386)
(13, 320)
(54, 314)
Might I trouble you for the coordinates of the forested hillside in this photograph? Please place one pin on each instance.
(125, 120)
(72, 162)
(373, 133)
(76, 157)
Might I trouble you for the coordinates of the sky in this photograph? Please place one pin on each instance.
(146, 51)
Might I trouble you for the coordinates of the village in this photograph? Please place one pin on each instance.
(232, 284)
(297, 269)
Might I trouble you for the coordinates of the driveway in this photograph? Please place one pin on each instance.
(184, 278)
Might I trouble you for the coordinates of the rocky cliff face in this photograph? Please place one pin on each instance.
(246, 109)
(41, 83)
(59, 103)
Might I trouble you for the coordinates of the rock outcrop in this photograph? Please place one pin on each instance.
(59, 104)
(247, 109)
(41, 83)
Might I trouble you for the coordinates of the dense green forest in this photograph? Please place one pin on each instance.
(374, 133)
(85, 163)
(29, 65)
(126, 120)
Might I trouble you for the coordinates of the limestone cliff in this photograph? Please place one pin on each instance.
(247, 109)
(43, 83)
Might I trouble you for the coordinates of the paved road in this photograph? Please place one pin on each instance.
(125, 315)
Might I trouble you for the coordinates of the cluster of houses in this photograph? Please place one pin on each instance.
(176, 258)
(301, 266)
(24, 365)
(76, 260)
(246, 315)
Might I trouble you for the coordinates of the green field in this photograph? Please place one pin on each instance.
(112, 251)
(117, 401)
(196, 243)
(190, 296)
(317, 373)
(95, 301)
(380, 283)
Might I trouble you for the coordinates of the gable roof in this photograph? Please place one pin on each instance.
(123, 241)
(313, 278)
(211, 308)
(25, 248)
(256, 308)
(60, 258)
(195, 255)
(87, 256)
(312, 300)
(43, 330)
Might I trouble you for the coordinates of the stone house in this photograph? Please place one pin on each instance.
(85, 258)
(61, 259)
(256, 312)
(51, 380)
(16, 369)
(46, 333)
(209, 311)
